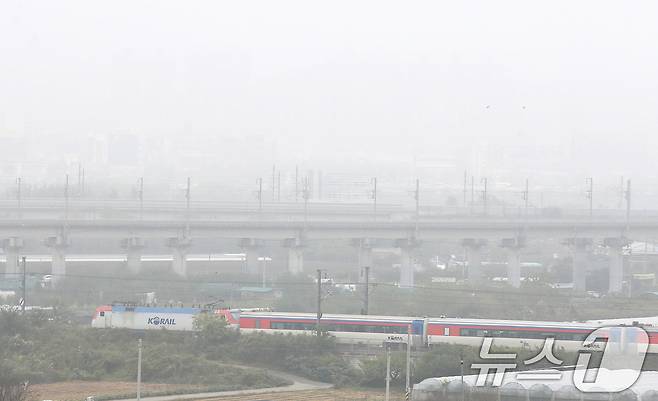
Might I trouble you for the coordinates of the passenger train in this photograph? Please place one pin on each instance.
(378, 330)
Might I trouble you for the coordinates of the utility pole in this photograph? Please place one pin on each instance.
(417, 197)
(319, 311)
(408, 376)
(388, 371)
(296, 182)
(260, 195)
(472, 194)
(484, 196)
(589, 194)
(79, 178)
(264, 265)
(139, 369)
(526, 196)
(278, 188)
(273, 182)
(374, 198)
(628, 204)
(66, 200)
(461, 367)
(187, 208)
(24, 303)
(465, 190)
(141, 198)
(366, 290)
(18, 196)
(306, 194)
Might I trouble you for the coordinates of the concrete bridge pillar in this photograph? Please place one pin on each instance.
(179, 247)
(364, 253)
(615, 247)
(295, 255)
(407, 261)
(580, 248)
(251, 248)
(474, 248)
(513, 247)
(133, 247)
(12, 247)
(58, 245)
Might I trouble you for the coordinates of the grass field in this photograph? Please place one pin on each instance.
(79, 390)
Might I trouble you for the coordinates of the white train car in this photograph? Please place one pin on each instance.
(347, 329)
(145, 317)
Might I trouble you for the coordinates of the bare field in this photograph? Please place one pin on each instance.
(79, 390)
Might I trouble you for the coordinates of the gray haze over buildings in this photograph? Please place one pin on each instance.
(221, 91)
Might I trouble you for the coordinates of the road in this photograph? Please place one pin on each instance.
(299, 384)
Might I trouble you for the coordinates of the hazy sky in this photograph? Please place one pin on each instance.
(563, 80)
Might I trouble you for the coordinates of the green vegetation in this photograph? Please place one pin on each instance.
(40, 350)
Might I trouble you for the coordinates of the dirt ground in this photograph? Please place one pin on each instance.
(79, 390)
(316, 395)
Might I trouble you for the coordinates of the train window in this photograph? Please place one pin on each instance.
(102, 313)
(292, 326)
(446, 331)
(530, 334)
(366, 328)
(258, 323)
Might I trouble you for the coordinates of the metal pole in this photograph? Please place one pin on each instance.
(590, 193)
(278, 188)
(260, 195)
(79, 178)
(319, 311)
(408, 378)
(66, 199)
(526, 196)
(461, 367)
(24, 285)
(141, 198)
(18, 194)
(366, 289)
(388, 371)
(187, 198)
(374, 198)
(305, 194)
(472, 194)
(187, 208)
(296, 182)
(264, 265)
(139, 369)
(417, 196)
(628, 204)
(591, 196)
(484, 196)
(465, 190)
